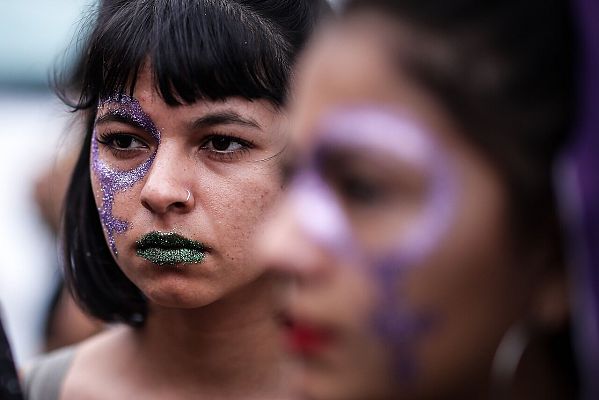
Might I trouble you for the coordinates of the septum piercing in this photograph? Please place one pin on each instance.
(188, 196)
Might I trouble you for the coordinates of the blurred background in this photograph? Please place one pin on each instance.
(34, 130)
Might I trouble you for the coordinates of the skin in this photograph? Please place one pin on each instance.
(211, 330)
(474, 282)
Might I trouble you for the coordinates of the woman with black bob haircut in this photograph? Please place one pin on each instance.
(182, 106)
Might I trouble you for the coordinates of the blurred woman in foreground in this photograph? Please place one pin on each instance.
(421, 223)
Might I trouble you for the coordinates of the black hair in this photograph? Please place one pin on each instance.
(505, 71)
(196, 50)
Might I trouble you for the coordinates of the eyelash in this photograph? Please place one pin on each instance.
(107, 139)
(227, 156)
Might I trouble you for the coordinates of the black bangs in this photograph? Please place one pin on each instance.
(211, 49)
(246, 57)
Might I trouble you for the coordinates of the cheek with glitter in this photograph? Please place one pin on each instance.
(323, 219)
(113, 181)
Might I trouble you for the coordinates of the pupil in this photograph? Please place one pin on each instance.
(221, 143)
(358, 190)
(123, 141)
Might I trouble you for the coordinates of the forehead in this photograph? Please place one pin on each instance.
(164, 115)
(354, 64)
(346, 65)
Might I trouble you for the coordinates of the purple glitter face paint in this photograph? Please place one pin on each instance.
(322, 217)
(379, 131)
(112, 180)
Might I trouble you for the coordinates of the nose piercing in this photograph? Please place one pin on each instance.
(188, 196)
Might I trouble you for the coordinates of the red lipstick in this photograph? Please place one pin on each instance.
(306, 339)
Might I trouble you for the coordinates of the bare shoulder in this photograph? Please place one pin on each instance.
(97, 366)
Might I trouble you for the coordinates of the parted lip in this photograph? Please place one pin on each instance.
(167, 240)
(305, 338)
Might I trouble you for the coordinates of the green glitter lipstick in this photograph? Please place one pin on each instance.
(168, 248)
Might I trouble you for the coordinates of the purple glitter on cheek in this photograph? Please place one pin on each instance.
(322, 218)
(111, 180)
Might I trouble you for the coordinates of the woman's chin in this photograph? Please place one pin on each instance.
(176, 300)
(178, 293)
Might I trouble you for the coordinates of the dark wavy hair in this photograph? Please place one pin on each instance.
(197, 50)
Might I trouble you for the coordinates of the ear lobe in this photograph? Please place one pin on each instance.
(550, 306)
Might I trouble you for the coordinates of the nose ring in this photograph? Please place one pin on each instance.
(188, 196)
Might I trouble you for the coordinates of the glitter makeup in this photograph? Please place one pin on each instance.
(321, 216)
(169, 248)
(112, 180)
(380, 131)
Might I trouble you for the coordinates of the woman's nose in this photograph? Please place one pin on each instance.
(164, 190)
(284, 248)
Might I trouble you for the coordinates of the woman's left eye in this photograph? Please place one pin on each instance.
(224, 144)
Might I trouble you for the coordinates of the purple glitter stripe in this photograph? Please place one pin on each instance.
(397, 324)
(319, 215)
(111, 180)
(375, 129)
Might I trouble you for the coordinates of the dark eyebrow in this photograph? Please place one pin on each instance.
(223, 118)
(118, 116)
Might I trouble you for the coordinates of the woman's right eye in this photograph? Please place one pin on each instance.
(360, 191)
(356, 183)
(121, 143)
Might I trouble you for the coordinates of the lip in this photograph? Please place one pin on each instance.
(306, 339)
(169, 248)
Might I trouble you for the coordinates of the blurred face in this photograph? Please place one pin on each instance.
(182, 190)
(394, 230)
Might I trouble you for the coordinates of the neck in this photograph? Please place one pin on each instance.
(231, 343)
